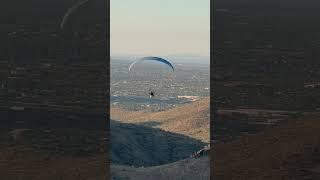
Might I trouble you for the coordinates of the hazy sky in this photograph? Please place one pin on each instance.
(160, 27)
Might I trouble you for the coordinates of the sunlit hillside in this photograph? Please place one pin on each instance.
(192, 119)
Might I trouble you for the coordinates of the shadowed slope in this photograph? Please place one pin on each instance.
(144, 146)
(187, 169)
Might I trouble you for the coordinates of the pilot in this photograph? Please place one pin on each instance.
(151, 94)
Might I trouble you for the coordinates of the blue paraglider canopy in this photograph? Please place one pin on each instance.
(152, 58)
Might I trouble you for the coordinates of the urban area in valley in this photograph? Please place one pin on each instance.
(189, 82)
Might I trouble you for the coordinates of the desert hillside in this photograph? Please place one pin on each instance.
(158, 145)
(43, 145)
(192, 119)
(287, 151)
(24, 164)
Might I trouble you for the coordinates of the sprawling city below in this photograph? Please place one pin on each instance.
(189, 82)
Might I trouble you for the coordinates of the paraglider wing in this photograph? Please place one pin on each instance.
(161, 60)
(70, 11)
